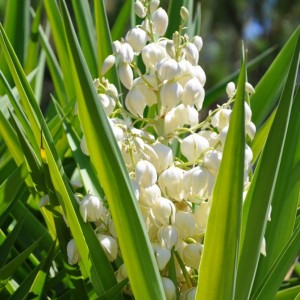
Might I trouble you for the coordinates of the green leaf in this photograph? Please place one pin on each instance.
(288, 294)
(174, 17)
(108, 162)
(262, 187)
(265, 98)
(121, 21)
(223, 227)
(114, 291)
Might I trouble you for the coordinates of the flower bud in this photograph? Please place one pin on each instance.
(171, 183)
(169, 288)
(162, 256)
(249, 88)
(145, 173)
(107, 64)
(109, 245)
(193, 146)
(73, 254)
(116, 45)
(140, 9)
(184, 13)
(192, 254)
(167, 235)
(154, 4)
(185, 224)
(137, 38)
(192, 53)
(126, 75)
(163, 212)
(135, 102)
(108, 103)
(171, 94)
(230, 89)
(263, 247)
(250, 129)
(170, 49)
(198, 42)
(91, 208)
(121, 274)
(164, 157)
(168, 69)
(160, 21)
(193, 93)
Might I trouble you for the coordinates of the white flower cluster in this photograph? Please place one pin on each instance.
(172, 159)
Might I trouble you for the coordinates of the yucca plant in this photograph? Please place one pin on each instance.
(118, 190)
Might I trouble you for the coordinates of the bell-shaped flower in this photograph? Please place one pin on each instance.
(230, 89)
(149, 195)
(211, 136)
(163, 212)
(73, 254)
(139, 9)
(169, 288)
(126, 53)
(189, 294)
(199, 73)
(248, 156)
(162, 256)
(195, 184)
(171, 122)
(152, 54)
(263, 250)
(185, 224)
(108, 103)
(193, 146)
(221, 118)
(201, 217)
(109, 245)
(116, 45)
(167, 236)
(107, 64)
(250, 129)
(192, 53)
(198, 42)
(145, 173)
(171, 183)
(171, 94)
(160, 21)
(249, 88)
(148, 93)
(91, 208)
(186, 115)
(137, 38)
(135, 102)
(154, 4)
(193, 93)
(168, 69)
(121, 274)
(164, 157)
(83, 146)
(126, 75)
(223, 134)
(248, 112)
(212, 160)
(192, 255)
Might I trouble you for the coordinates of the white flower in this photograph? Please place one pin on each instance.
(248, 112)
(263, 247)
(192, 254)
(193, 93)
(250, 129)
(137, 38)
(121, 274)
(126, 75)
(190, 294)
(164, 157)
(163, 212)
(230, 89)
(199, 73)
(147, 92)
(171, 94)
(192, 53)
(107, 64)
(168, 69)
(83, 146)
(140, 9)
(211, 136)
(109, 245)
(201, 216)
(223, 134)
(149, 195)
(154, 4)
(212, 160)
(145, 173)
(198, 42)
(91, 208)
(162, 256)
(195, 183)
(193, 146)
(73, 254)
(135, 102)
(160, 21)
(249, 88)
(221, 118)
(152, 54)
(248, 156)
(171, 183)
(169, 288)
(126, 53)
(185, 224)
(167, 236)
(108, 103)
